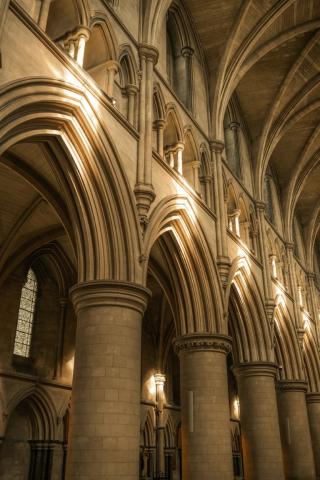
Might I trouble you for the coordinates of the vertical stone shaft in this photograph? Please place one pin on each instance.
(216, 148)
(263, 248)
(313, 406)
(259, 421)
(295, 431)
(206, 435)
(44, 12)
(105, 420)
(160, 380)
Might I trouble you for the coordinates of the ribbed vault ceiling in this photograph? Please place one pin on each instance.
(267, 53)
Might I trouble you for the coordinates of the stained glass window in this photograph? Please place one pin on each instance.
(26, 315)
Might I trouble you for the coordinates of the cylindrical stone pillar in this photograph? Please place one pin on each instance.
(160, 453)
(206, 434)
(196, 173)
(260, 431)
(112, 68)
(105, 415)
(295, 431)
(160, 128)
(179, 166)
(131, 92)
(81, 48)
(313, 406)
(44, 13)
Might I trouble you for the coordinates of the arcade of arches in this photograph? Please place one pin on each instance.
(159, 239)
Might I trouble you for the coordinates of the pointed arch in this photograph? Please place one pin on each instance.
(248, 321)
(128, 71)
(191, 160)
(311, 361)
(173, 130)
(287, 345)
(42, 409)
(76, 14)
(169, 433)
(159, 107)
(100, 19)
(149, 438)
(95, 194)
(193, 274)
(205, 160)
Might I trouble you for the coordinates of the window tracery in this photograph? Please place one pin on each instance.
(27, 306)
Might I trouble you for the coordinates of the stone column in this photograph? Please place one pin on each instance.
(206, 434)
(4, 7)
(160, 128)
(295, 431)
(207, 188)
(195, 173)
(187, 53)
(59, 345)
(131, 92)
(171, 157)
(313, 407)
(260, 432)
(216, 148)
(179, 166)
(112, 68)
(71, 45)
(313, 298)
(234, 127)
(143, 190)
(160, 381)
(83, 36)
(293, 286)
(263, 248)
(44, 12)
(105, 415)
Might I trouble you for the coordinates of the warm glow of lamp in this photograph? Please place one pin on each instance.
(151, 385)
(236, 408)
(70, 364)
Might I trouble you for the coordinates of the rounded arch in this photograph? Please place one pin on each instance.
(191, 267)
(248, 321)
(287, 347)
(94, 193)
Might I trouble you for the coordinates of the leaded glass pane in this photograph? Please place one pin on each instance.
(26, 315)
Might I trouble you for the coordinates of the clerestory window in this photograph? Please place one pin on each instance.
(28, 300)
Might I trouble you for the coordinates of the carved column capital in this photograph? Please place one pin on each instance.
(149, 52)
(131, 89)
(292, 386)
(216, 146)
(112, 65)
(289, 246)
(234, 125)
(195, 342)
(160, 123)
(256, 369)
(187, 51)
(313, 397)
(261, 206)
(109, 293)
